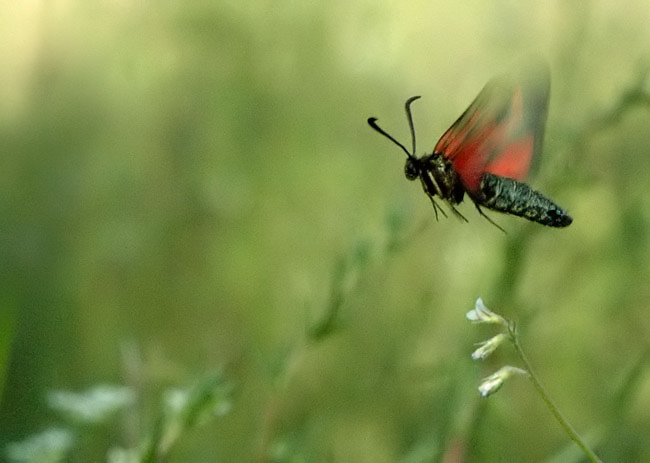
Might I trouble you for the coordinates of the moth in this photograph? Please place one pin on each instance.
(489, 150)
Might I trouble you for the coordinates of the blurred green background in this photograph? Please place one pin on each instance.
(191, 186)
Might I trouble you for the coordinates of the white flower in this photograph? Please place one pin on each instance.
(489, 346)
(482, 314)
(93, 406)
(50, 445)
(493, 383)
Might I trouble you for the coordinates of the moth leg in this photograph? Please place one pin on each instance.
(436, 207)
(458, 214)
(480, 211)
(431, 190)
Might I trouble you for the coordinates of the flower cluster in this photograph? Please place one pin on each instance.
(481, 314)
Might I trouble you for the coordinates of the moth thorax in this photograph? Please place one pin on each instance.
(411, 169)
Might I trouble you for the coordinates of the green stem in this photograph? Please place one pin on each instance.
(549, 402)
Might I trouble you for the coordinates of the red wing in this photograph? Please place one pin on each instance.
(502, 130)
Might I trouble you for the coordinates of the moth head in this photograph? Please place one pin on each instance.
(411, 169)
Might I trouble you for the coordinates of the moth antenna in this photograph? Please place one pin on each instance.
(372, 122)
(409, 115)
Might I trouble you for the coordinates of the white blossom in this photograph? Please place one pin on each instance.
(489, 346)
(481, 314)
(493, 383)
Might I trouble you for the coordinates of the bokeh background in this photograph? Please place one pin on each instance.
(192, 186)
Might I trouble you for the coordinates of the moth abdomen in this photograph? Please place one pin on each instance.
(510, 196)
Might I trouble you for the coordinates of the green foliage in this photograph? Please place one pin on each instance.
(182, 410)
(198, 180)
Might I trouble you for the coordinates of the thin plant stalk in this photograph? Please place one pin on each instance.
(568, 428)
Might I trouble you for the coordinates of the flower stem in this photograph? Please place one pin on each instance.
(547, 398)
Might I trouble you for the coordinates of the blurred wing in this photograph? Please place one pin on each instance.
(502, 130)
